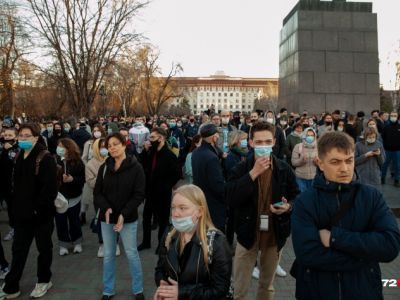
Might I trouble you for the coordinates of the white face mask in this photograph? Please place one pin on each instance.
(184, 224)
(97, 134)
(271, 121)
(225, 121)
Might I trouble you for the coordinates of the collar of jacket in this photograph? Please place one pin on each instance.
(321, 183)
(35, 150)
(127, 163)
(210, 147)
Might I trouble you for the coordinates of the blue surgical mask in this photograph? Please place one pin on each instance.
(25, 145)
(184, 224)
(261, 151)
(50, 129)
(309, 139)
(172, 125)
(67, 129)
(243, 143)
(393, 119)
(103, 152)
(60, 151)
(109, 131)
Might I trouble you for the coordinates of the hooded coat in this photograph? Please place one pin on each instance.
(365, 236)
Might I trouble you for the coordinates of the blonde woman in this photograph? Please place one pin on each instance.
(194, 260)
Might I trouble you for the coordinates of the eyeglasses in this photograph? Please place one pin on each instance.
(25, 136)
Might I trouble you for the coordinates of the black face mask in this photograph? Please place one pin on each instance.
(191, 120)
(328, 123)
(57, 131)
(155, 144)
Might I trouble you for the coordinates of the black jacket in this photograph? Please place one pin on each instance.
(52, 142)
(195, 281)
(80, 137)
(7, 158)
(121, 190)
(34, 195)
(208, 175)
(161, 180)
(279, 147)
(391, 137)
(242, 195)
(77, 170)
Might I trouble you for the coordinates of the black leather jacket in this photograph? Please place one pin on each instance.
(195, 282)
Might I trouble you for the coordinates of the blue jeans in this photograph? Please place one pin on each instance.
(304, 184)
(392, 156)
(128, 236)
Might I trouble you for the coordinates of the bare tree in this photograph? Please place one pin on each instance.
(124, 79)
(155, 89)
(13, 42)
(85, 37)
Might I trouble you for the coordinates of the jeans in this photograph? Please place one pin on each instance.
(23, 237)
(128, 236)
(304, 184)
(69, 228)
(392, 156)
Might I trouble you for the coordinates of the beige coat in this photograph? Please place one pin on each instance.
(303, 160)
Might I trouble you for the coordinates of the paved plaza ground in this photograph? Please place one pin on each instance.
(78, 276)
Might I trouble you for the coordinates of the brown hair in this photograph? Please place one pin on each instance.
(73, 152)
(101, 129)
(160, 131)
(368, 131)
(195, 140)
(34, 128)
(117, 136)
(261, 126)
(339, 140)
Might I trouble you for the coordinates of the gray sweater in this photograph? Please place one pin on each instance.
(369, 168)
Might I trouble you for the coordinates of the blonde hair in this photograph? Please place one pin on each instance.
(235, 137)
(96, 150)
(195, 195)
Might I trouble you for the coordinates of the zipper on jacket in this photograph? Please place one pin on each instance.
(198, 264)
(338, 274)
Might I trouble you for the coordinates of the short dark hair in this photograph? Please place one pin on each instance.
(160, 131)
(374, 111)
(262, 126)
(339, 140)
(34, 128)
(117, 136)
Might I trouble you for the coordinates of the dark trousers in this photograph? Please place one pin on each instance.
(69, 228)
(23, 237)
(9, 212)
(161, 212)
(3, 261)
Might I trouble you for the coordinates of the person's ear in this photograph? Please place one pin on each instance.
(320, 164)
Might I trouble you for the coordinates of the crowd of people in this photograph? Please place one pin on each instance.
(225, 191)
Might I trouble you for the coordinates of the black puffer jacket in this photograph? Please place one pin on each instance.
(195, 282)
(121, 190)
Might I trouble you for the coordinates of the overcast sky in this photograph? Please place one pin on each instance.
(241, 37)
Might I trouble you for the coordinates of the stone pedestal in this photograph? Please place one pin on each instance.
(329, 57)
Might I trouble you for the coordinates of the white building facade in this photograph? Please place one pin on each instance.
(224, 92)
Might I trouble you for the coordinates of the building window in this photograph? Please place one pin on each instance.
(213, 94)
(219, 94)
(249, 106)
(225, 94)
(231, 94)
(201, 106)
(194, 106)
(225, 101)
(237, 106)
(237, 100)
(231, 106)
(225, 106)
(243, 106)
(237, 94)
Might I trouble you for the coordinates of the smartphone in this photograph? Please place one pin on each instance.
(278, 204)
